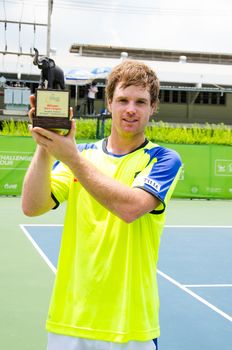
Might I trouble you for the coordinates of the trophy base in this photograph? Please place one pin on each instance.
(59, 125)
(52, 110)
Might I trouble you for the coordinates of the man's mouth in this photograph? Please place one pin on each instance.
(130, 121)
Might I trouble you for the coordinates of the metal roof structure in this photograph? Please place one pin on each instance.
(186, 71)
(149, 54)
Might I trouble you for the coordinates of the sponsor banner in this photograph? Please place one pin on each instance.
(15, 156)
(206, 172)
(13, 160)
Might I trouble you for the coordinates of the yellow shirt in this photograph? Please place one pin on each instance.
(106, 285)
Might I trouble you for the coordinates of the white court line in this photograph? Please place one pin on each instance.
(219, 285)
(170, 279)
(39, 250)
(194, 295)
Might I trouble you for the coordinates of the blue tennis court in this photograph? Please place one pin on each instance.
(195, 282)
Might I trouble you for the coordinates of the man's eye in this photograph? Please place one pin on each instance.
(141, 102)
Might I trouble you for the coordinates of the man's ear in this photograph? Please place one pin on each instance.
(154, 107)
(109, 105)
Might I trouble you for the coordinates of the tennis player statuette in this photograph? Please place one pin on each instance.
(52, 100)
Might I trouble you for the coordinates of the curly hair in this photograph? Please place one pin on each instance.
(132, 72)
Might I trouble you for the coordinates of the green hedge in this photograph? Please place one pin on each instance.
(13, 128)
(218, 134)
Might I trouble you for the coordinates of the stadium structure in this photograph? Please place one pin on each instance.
(196, 87)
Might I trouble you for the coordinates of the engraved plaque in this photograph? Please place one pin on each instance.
(52, 110)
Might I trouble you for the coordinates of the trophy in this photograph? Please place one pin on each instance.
(52, 109)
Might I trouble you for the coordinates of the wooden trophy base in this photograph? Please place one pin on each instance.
(59, 125)
(52, 110)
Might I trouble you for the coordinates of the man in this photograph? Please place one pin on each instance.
(92, 91)
(105, 295)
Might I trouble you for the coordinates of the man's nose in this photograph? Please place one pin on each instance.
(131, 107)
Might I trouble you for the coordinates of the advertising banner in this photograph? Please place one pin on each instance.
(206, 173)
(15, 156)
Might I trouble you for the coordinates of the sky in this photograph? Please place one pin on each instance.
(185, 25)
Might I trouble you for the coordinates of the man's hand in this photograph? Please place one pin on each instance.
(36, 193)
(62, 148)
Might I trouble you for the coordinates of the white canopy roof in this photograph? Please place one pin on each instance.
(168, 72)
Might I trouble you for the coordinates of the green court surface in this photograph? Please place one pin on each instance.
(26, 280)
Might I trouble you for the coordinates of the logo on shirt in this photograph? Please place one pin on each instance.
(152, 183)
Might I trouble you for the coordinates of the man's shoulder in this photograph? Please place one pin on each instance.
(162, 152)
(89, 146)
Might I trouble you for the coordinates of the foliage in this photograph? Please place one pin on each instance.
(86, 129)
(218, 134)
(156, 131)
(14, 128)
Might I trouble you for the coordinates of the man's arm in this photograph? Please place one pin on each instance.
(36, 193)
(125, 202)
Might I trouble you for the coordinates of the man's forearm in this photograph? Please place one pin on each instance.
(36, 194)
(126, 202)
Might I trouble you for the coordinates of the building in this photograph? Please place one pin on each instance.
(195, 87)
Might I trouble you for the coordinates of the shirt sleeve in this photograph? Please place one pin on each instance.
(60, 181)
(160, 175)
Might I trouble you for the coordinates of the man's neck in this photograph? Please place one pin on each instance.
(121, 145)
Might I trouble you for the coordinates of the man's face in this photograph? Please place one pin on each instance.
(130, 108)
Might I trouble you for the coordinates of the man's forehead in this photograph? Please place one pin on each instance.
(122, 87)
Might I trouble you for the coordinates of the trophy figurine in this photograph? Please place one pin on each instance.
(52, 100)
